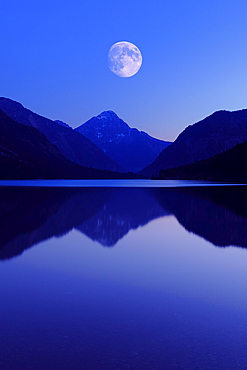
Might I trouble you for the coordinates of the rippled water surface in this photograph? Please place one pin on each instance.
(123, 277)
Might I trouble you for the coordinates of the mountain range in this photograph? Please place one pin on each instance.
(213, 135)
(118, 148)
(130, 148)
(72, 145)
(25, 153)
(229, 166)
(32, 146)
(30, 215)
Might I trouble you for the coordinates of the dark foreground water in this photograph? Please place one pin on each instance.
(123, 278)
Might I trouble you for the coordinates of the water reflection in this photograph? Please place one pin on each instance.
(218, 214)
(31, 215)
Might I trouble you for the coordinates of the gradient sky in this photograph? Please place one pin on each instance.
(54, 59)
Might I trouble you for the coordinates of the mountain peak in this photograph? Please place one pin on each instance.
(72, 145)
(108, 114)
(108, 119)
(130, 147)
(10, 106)
(107, 126)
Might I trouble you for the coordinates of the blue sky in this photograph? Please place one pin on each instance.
(54, 59)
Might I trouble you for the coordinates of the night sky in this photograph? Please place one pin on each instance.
(54, 59)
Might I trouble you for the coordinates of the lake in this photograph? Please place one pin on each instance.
(123, 275)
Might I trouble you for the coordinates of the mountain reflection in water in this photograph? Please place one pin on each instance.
(31, 215)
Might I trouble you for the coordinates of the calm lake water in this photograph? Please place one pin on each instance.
(123, 277)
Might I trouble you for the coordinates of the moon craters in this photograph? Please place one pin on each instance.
(124, 59)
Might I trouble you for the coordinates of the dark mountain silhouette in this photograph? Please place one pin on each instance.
(31, 215)
(215, 134)
(130, 148)
(62, 123)
(71, 144)
(25, 153)
(229, 166)
(216, 213)
(126, 209)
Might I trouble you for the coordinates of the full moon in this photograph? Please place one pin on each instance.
(124, 59)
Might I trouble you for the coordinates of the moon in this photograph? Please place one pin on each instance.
(124, 59)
